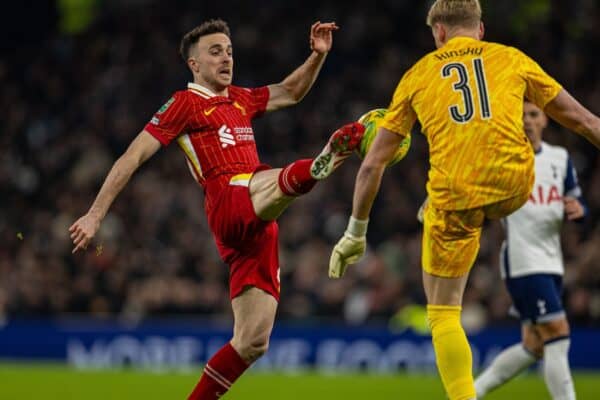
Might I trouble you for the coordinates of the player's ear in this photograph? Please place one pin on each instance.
(481, 30)
(439, 34)
(192, 64)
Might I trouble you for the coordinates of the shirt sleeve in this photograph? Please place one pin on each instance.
(541, 87)
(170, 120)
(571, 183)
(254, 100)
(400, 116)
(572, 188)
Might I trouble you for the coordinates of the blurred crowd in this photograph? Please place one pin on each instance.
(72, 101)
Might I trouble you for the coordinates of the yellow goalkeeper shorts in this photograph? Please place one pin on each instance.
(451, 237)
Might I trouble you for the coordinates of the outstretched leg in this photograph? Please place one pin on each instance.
(510, 362)
(273, 190)
(339, 147)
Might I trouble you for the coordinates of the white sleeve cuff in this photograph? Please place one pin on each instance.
(357, 227)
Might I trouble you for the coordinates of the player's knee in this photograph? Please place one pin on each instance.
(259, 348)
(252, 350)
(553, 330)
(533, 343)
(251, 345)
(535, 348)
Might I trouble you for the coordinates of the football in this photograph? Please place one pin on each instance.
(371, 121)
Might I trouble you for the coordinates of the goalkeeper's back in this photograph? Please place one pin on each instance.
(468, 96)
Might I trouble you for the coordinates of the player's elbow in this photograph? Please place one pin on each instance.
(374, 161)
(293, 93)
(294, 98)
(130, 160)
(572, 115)
(371, 169)
(589, 126)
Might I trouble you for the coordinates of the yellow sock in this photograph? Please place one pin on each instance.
(452, 351)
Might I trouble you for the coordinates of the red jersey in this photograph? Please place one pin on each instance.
(215, 132)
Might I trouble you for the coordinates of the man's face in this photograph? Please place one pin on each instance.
(213, 55)
(534, 122)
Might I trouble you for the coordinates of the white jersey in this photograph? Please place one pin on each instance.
(532, 244)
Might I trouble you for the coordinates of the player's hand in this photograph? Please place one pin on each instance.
(573, 208)
(347, 251)
(321, 37)
(83, 230)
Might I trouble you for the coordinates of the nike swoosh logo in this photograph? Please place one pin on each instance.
(209, 111)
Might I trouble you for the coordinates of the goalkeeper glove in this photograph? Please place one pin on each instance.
(350, 248)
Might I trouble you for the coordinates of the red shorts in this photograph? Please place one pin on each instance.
(246, 243)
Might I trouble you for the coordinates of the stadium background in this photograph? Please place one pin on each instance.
(80, 78)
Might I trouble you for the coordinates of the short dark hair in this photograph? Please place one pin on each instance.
(206, 28)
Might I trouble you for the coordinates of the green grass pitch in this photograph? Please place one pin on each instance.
(49, 382)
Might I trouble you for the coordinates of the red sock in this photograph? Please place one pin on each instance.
(295, 179)
(219, 374)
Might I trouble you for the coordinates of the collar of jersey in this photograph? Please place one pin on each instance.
(542, 145)
(201, 90)
(459, 38)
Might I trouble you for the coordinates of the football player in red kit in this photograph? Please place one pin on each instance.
(211, 122)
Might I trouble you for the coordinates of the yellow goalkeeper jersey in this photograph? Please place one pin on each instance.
(468, 96)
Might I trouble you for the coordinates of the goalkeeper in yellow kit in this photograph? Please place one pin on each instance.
(468, 96)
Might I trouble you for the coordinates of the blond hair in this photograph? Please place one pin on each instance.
(464, 13)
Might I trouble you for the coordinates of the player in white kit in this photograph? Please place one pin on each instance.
(532, 267)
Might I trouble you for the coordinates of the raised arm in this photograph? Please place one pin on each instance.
(568, 112)
(140, 149)
(295, 86)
